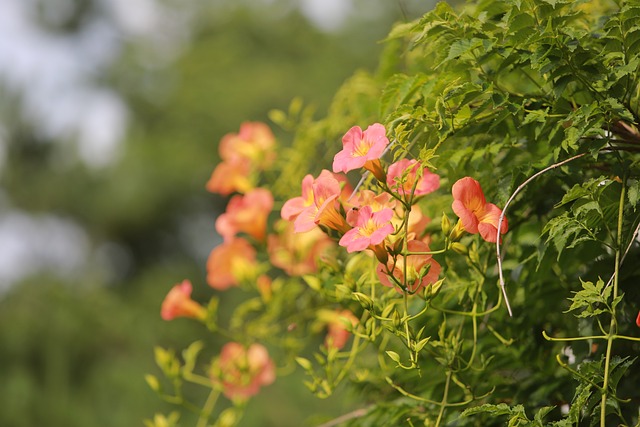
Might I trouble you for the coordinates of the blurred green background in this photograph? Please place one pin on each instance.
(110, 115)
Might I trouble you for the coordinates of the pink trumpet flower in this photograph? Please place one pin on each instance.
(362, 149)
(178, 303)
(476, 215)
(370, 229)
(403, 174)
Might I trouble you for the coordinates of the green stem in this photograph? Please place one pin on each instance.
(439, 251)
(347, 366)
(613, 324)
(207, 409)
(406, 329)
(469, 313)
(590, 337)
(474, 321)
(197, 379)
(445, 396)
(624, 337)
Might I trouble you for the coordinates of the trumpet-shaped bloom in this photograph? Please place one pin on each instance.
(296, 253)
(318, 204)
(254, 142)
(294, 207)
(360, 147)
(403, 174)
(370, 229)
(178, 303)
(246, 213)
(243, 155)
(230, 177)
(229, 263)
(415, 266)
(242, 371)
(476, 215)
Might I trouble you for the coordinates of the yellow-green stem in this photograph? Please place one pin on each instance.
(445, 396)
(207, 409)
(613, 325)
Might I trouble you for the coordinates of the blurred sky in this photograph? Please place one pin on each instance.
(55, 66)
(55, 72)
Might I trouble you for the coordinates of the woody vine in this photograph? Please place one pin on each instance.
(373, 251)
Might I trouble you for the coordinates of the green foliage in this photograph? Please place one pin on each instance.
(498, 90)
(538, 101)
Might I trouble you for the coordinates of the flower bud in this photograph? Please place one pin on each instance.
(365, 301)
(433, 290)
(473, 253)
(381, 252)
(445, 224)
(459, 248)
(457, 232)
(396, 319)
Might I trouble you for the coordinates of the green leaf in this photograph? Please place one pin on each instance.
(619, 367)
(542, 412)
(399, 90)
(495, 410)
(462, 47)
(402, 29)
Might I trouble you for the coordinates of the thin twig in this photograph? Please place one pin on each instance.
(355, 190)
(346, 417)
(366, 174)
(504, 211)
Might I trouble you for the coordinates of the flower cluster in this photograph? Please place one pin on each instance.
(243, 156)
(390, 224)
(327, 215)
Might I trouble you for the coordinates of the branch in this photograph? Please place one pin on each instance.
(504, 211)
(346, 417)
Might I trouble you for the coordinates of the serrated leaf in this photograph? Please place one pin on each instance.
(539, 116)
(543, 412)
(487, 408)
(398, 91)
(461, 47)
(619, 367)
